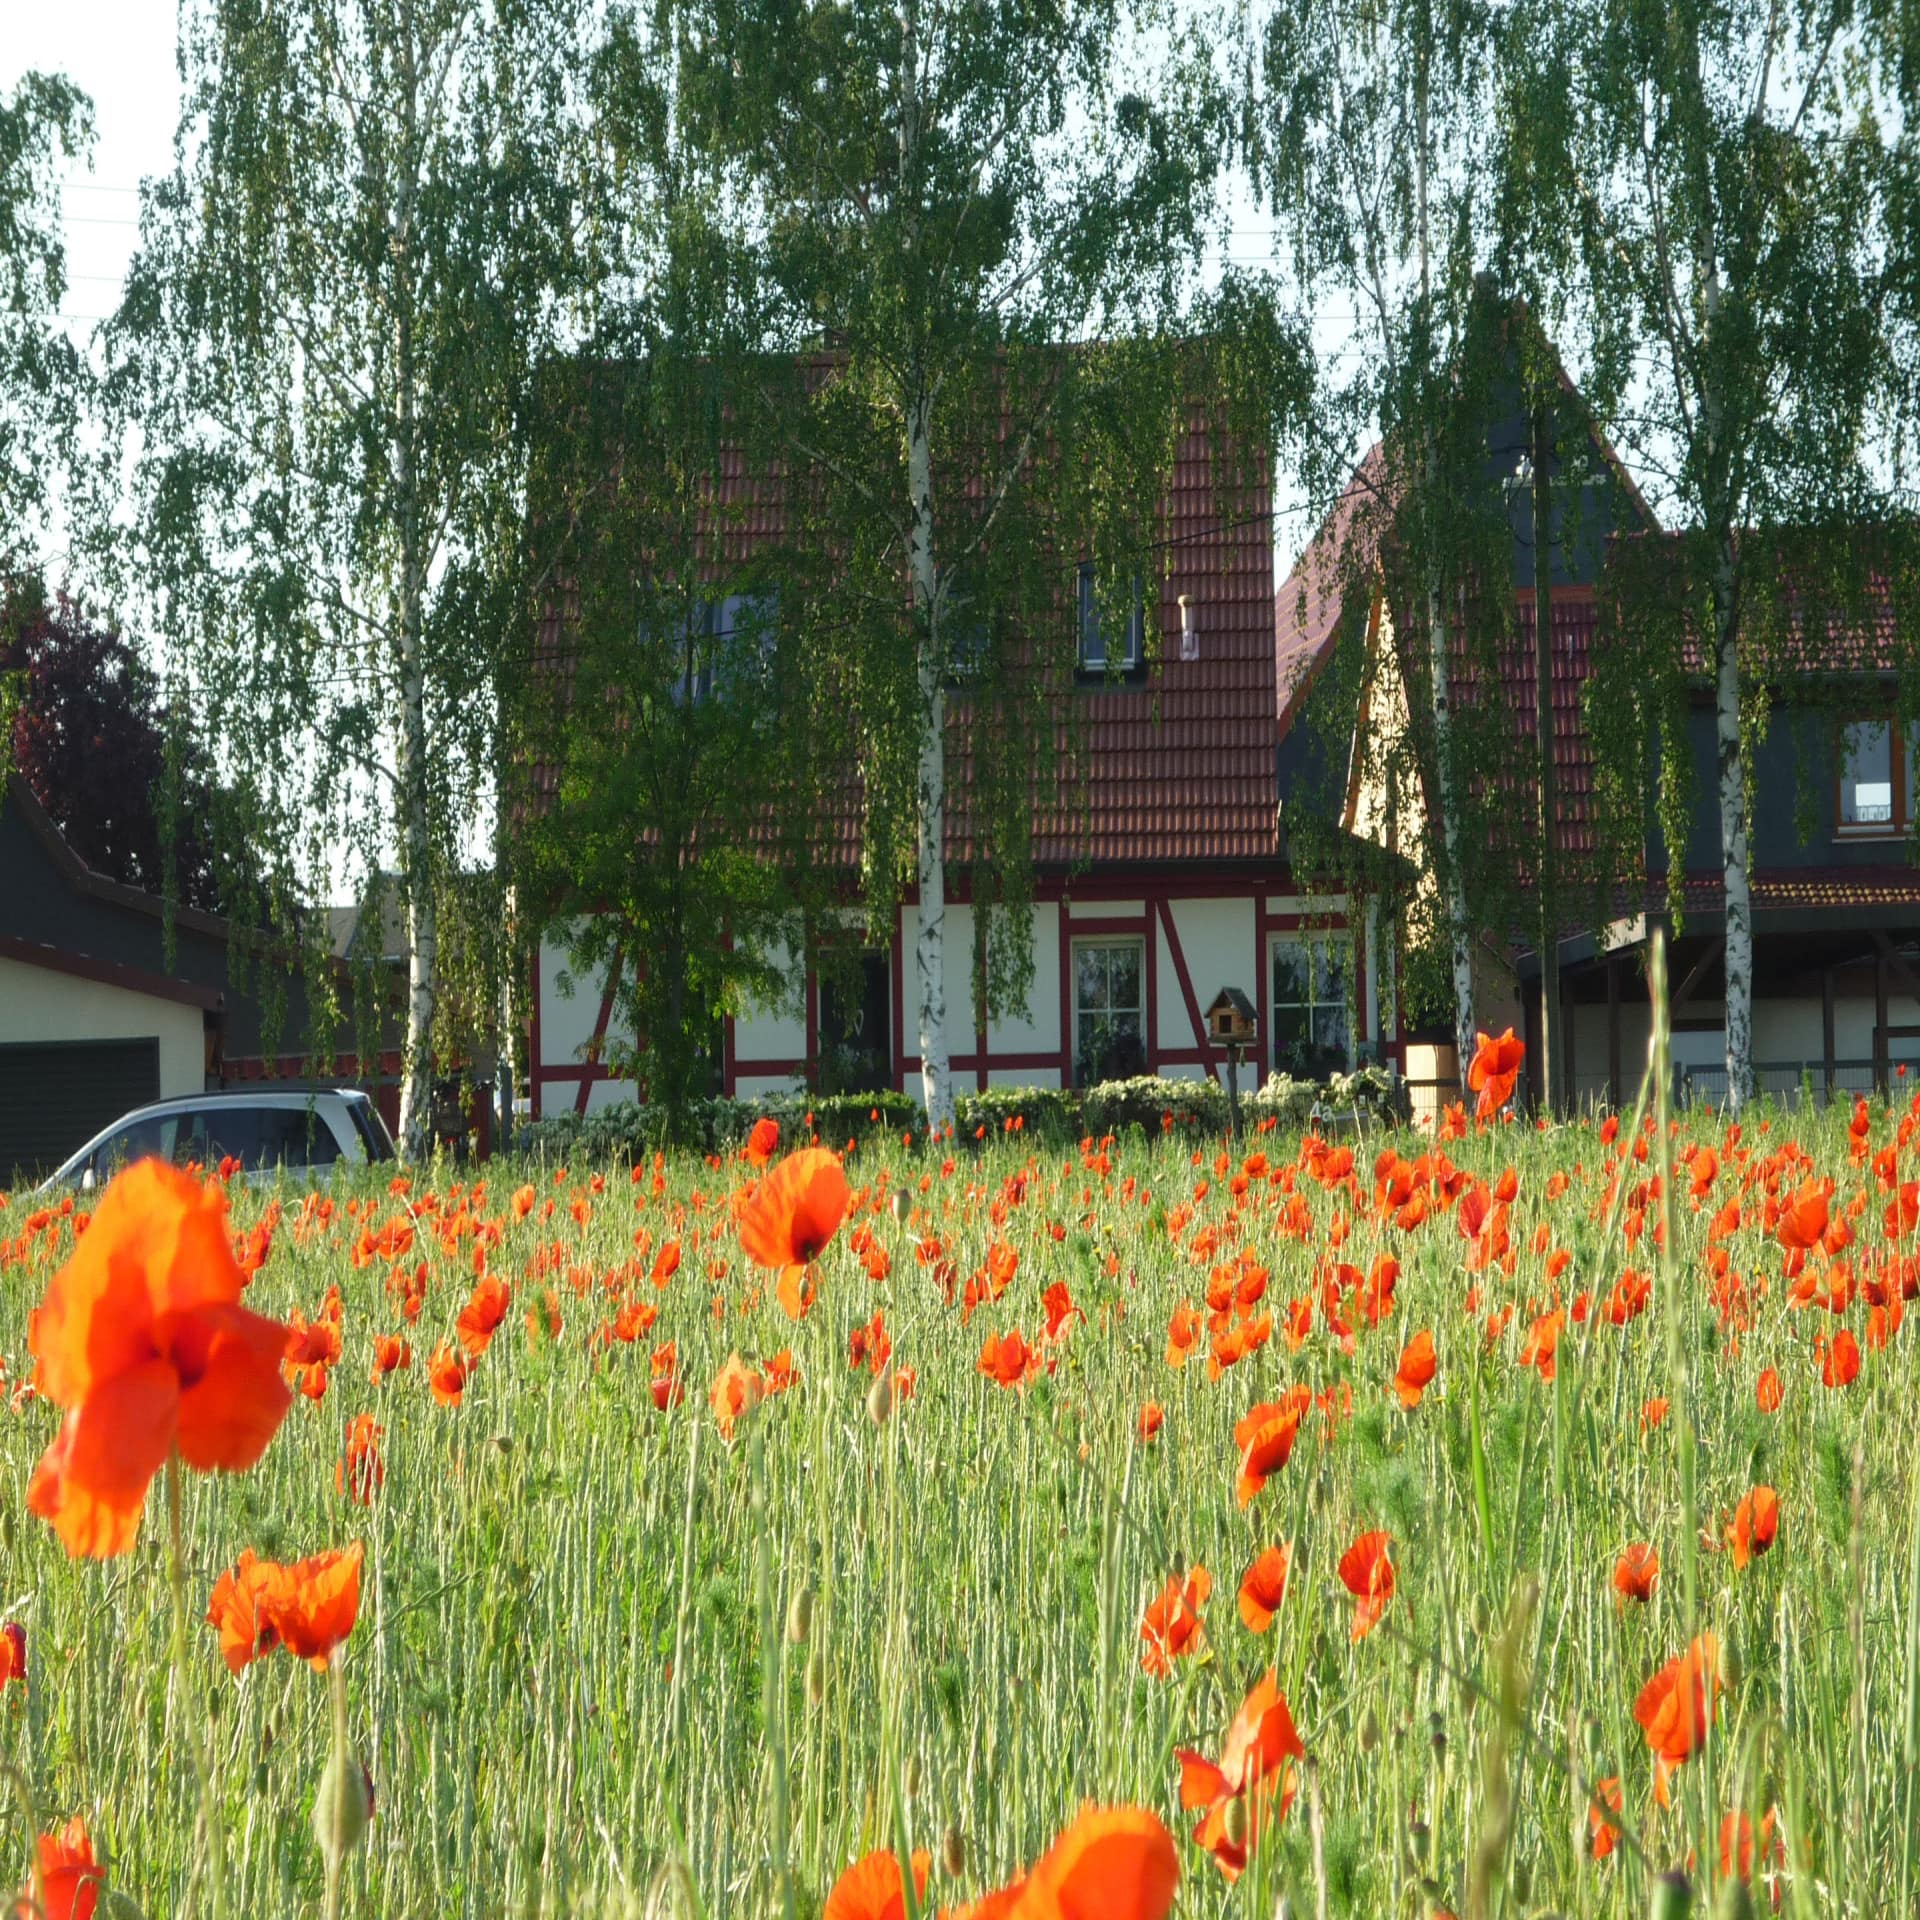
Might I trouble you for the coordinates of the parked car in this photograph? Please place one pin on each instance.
(299, 1129)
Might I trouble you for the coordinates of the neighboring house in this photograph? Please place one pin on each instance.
(97, 1015)
(1161, 877)
(1836, 900)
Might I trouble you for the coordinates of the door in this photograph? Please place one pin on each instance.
(55, 1095)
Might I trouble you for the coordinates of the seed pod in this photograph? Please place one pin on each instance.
(817, 1676)
(1672, 1897)
(1482, 1614)
(800, 1616)
(880, 1400)
(1233, 1822)
(912, 1780)
(1369, 1730)
(1732, 1667)
(953, 1851)
(342, 1808)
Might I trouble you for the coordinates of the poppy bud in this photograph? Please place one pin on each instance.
(1672, 1897)
(1369, 1731)
(880, 1400)
(902, 1204)
(816, 1676)
(800, 1616)
(1482, 1615)
(953, 1852)
(342, 1807)
(1731, 1665)
(1233, 1821)
(912, 1781)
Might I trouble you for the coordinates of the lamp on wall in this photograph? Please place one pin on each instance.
(1189, 639)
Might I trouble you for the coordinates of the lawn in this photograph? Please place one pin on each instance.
(671, 1602)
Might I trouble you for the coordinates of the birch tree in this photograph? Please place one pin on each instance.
(1715, 174)
(983, 238)
(324, 366)
(44, 122)
(1370, 141)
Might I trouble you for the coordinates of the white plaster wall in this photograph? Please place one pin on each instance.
(1222, 950)
(749, 1086)
(1039, 1030)
(773, 1032)
(39, 1004)
(1022, 1077)
(600, 1093)
(567, 1021)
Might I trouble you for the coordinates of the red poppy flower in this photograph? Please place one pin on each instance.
(874, 1888)
(1171, 1625)
(390, 1355)
(1605, 1833)
(1417, 1368)
(487, 1306)
(240, 1610)
(1840, 1359)
(1265, 1435)
(13, 1654)
(70, 1877)
(1253, 1768)
(1756, 1520)
(763, 1142)
(447, 1375)
(1262, 1587)
(1803, 1223)
(1496, 1066)
(1110, 1863)
(309, 1607)
(790, 1220)
(1152, 1418)
(1635, 1572)
(737, 1389)
(361, 1471)
(1676, 1707)
(1366, 1572)
(1768, 1392)
(142, 1340)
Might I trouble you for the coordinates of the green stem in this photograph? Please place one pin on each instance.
(183, 1672)
(336, 1856)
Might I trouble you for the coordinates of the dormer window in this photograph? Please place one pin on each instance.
(1108, 646)
(1877, 764)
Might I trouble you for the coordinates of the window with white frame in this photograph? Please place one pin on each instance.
(1308, 1013)
(1109, 1010)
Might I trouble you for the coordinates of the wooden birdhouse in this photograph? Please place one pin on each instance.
(1231, 1021)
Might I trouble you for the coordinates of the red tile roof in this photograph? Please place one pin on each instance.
(1801, 889)
(1178, 766)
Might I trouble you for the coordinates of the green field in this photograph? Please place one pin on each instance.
(574, 1664)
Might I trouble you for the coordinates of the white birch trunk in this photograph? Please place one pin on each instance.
(929, 947)
(1459, 925)
(1734, 851)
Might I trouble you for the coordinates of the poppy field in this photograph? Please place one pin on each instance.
(1499, 1520)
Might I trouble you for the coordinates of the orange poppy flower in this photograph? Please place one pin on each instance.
(1171, 1626)
(70, 1877)
(361, 1470)
(1635, 1572)
(667, 1387)
(1496, 1066)
(13, 1655)
(1803, 1222)
(141, 1339)
(1253, 1768)
(1007, 1359)
(1183, 1331)
(1839, 1359)
(1756, 1520)
(390, 1355)
(1416, 1370)
(1262, 1587)
(737, 1389)
(240, 1610)
(763, 1142)
(1676, 1706)
(1265, 1435)
(315, 1603)
(874, 1888)
(487, 1306)
(1110, 1863)
(1605, 1833)
(790, 1220)
(1768, 1392)
(447, 1375)
(1152, 1418)
(1366, 1572)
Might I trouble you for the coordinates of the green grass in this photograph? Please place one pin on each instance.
(570, 1661)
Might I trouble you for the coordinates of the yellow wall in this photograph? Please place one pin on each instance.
(39, 1004)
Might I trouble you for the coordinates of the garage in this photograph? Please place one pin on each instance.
(55, 1095)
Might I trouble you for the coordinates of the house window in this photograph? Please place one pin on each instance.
(719, 643)
(1312, 1035)
(1102, 649)
(1109, 1022)
(1877, 763)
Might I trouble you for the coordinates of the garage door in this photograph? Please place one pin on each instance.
(56, 1095)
